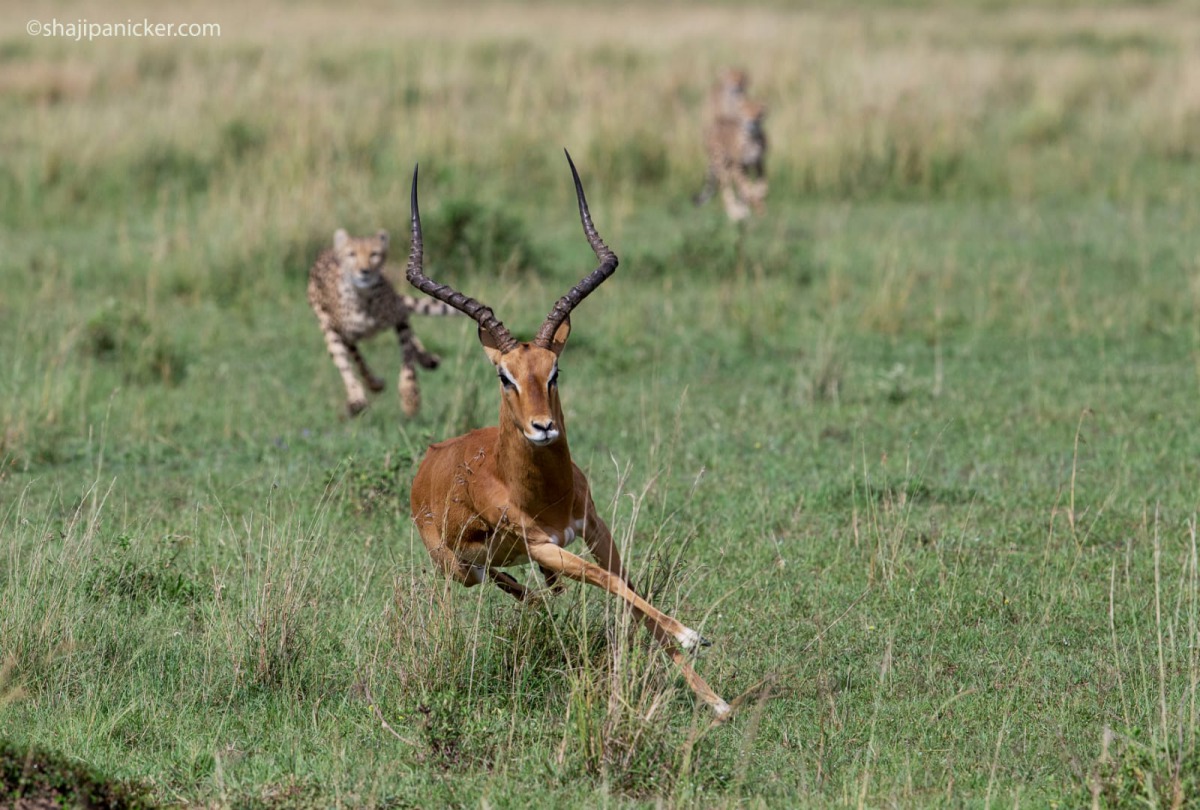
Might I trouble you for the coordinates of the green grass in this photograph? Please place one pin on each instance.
(917, 451)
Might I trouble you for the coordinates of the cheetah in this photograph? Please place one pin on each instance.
(727, 92)
(737, 147)
(352, 301)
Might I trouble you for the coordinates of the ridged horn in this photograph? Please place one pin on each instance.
(482, 314)
(608, 264)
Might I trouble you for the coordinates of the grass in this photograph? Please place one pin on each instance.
(916, 450)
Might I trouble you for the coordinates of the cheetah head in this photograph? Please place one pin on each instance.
(752, 115)
(361, 257)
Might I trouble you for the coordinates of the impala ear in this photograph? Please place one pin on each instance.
(559, 341)
(490, 347)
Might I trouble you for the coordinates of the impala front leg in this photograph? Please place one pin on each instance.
(600, 543)
(665, 629)
(553, 558)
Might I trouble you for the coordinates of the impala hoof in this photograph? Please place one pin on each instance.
(691, 641)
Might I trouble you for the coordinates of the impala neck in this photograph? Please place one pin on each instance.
(538, 478)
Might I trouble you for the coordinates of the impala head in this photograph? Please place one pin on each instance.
(529, 385)
(528, 372)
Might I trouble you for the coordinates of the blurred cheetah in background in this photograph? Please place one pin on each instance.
(737, 147)
(353, 301)
(726, 94)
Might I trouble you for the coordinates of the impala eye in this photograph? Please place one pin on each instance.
(507, 381)
(553, 381)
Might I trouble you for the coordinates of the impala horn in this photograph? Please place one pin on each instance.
(608, 264)
(482, 314)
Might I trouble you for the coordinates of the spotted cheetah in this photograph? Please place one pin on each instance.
(353, 301)
(726, 94)
(736, 146)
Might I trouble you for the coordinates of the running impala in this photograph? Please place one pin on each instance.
(510, 495)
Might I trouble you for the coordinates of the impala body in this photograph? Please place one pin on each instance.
(510, 495)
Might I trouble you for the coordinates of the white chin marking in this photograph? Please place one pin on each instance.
(689, 639)
(476, 575)
(542, 438)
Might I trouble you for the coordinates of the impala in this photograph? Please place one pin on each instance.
(510, 495)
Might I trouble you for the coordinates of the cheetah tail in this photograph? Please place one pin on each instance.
(427, 306)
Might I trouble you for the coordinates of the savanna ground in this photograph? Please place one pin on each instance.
(918, 451)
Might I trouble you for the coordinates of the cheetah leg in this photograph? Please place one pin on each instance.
(735, 209)
(729, 179)
(710, 186)
(410, 392)
(753, 191)
(757, 169)
(356, 397)
(426, 358)
(374, 383)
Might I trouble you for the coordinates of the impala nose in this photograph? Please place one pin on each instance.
(541, 432)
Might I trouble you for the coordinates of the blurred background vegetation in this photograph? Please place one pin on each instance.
(918, 447)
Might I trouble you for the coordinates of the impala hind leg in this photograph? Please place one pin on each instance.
(464, 573)
(552, 581)
(507, 584)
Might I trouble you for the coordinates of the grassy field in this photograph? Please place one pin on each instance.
(918, 450)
